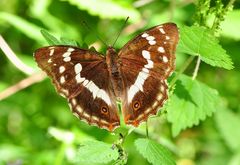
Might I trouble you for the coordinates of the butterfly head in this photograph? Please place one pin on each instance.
(111, 55)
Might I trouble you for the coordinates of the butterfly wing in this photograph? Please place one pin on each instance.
(146, 63)
(82, 77)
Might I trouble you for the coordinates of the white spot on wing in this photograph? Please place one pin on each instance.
(155, 104)
(161, 30)
(79, 79)
(146, 54)
(61, 69)
(144, 35)
(62, 79)
(152, 42)
(167, 37)
(165, 59)
(159, 97)
(74, 102)
(161, 49)
(51, 52)
(70, 49)
(50, 60)
(79, 109)
(67, 59)
(78, 68)
(66, 54)
(150, 38)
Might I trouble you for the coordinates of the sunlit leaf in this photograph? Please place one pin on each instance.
(154, 152)
(198, 41)
(96, 152)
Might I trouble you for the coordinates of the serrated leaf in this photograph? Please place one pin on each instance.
(108, 9)
(50, 38)
(154, 152)
(228, 129)
(96, 152)
(199, 41)
(191, 102)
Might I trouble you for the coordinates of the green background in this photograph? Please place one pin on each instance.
(36, 126)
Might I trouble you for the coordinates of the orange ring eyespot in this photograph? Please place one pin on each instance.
(104, 110)
(136, 105)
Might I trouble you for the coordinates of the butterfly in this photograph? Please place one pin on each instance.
(136, 75)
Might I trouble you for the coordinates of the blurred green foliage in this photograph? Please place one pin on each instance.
(203, 115)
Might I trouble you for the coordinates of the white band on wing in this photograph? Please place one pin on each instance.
(90, 85)
(142, 76)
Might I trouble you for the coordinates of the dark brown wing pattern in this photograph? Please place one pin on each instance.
(146, 63)
(82, 77)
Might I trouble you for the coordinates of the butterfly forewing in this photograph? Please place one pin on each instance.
(91, 82)
(74, 73)
(146, 62)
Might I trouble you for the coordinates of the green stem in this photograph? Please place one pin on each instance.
(60, 155)
(196, 68)
(186, 64)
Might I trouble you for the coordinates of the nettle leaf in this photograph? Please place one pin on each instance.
(104, 7)
(191, 102)
(67, 41)
(154, 152)
(93, 152)
(54, 41)
(199, 41)
(229, 130)
(50, 38)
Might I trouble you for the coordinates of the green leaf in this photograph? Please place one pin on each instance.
(191, 102)
(228, 129)
(50, 38)
(108, 9)
(154, 152)
(66, 41)
(96, 152)
(198, 41)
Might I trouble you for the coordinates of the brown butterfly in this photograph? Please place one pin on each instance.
(136, 75)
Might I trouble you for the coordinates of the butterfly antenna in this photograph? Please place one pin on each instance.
(120, 31)
(90, 29)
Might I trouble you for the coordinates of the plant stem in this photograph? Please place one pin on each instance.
(186, 64)
(196, 68)
(13, 58)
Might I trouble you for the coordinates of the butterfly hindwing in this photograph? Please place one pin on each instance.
(74, 73)
(146, 62)
(137, 75)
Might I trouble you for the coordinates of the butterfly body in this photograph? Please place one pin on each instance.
(136, 75)
(114, 64)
